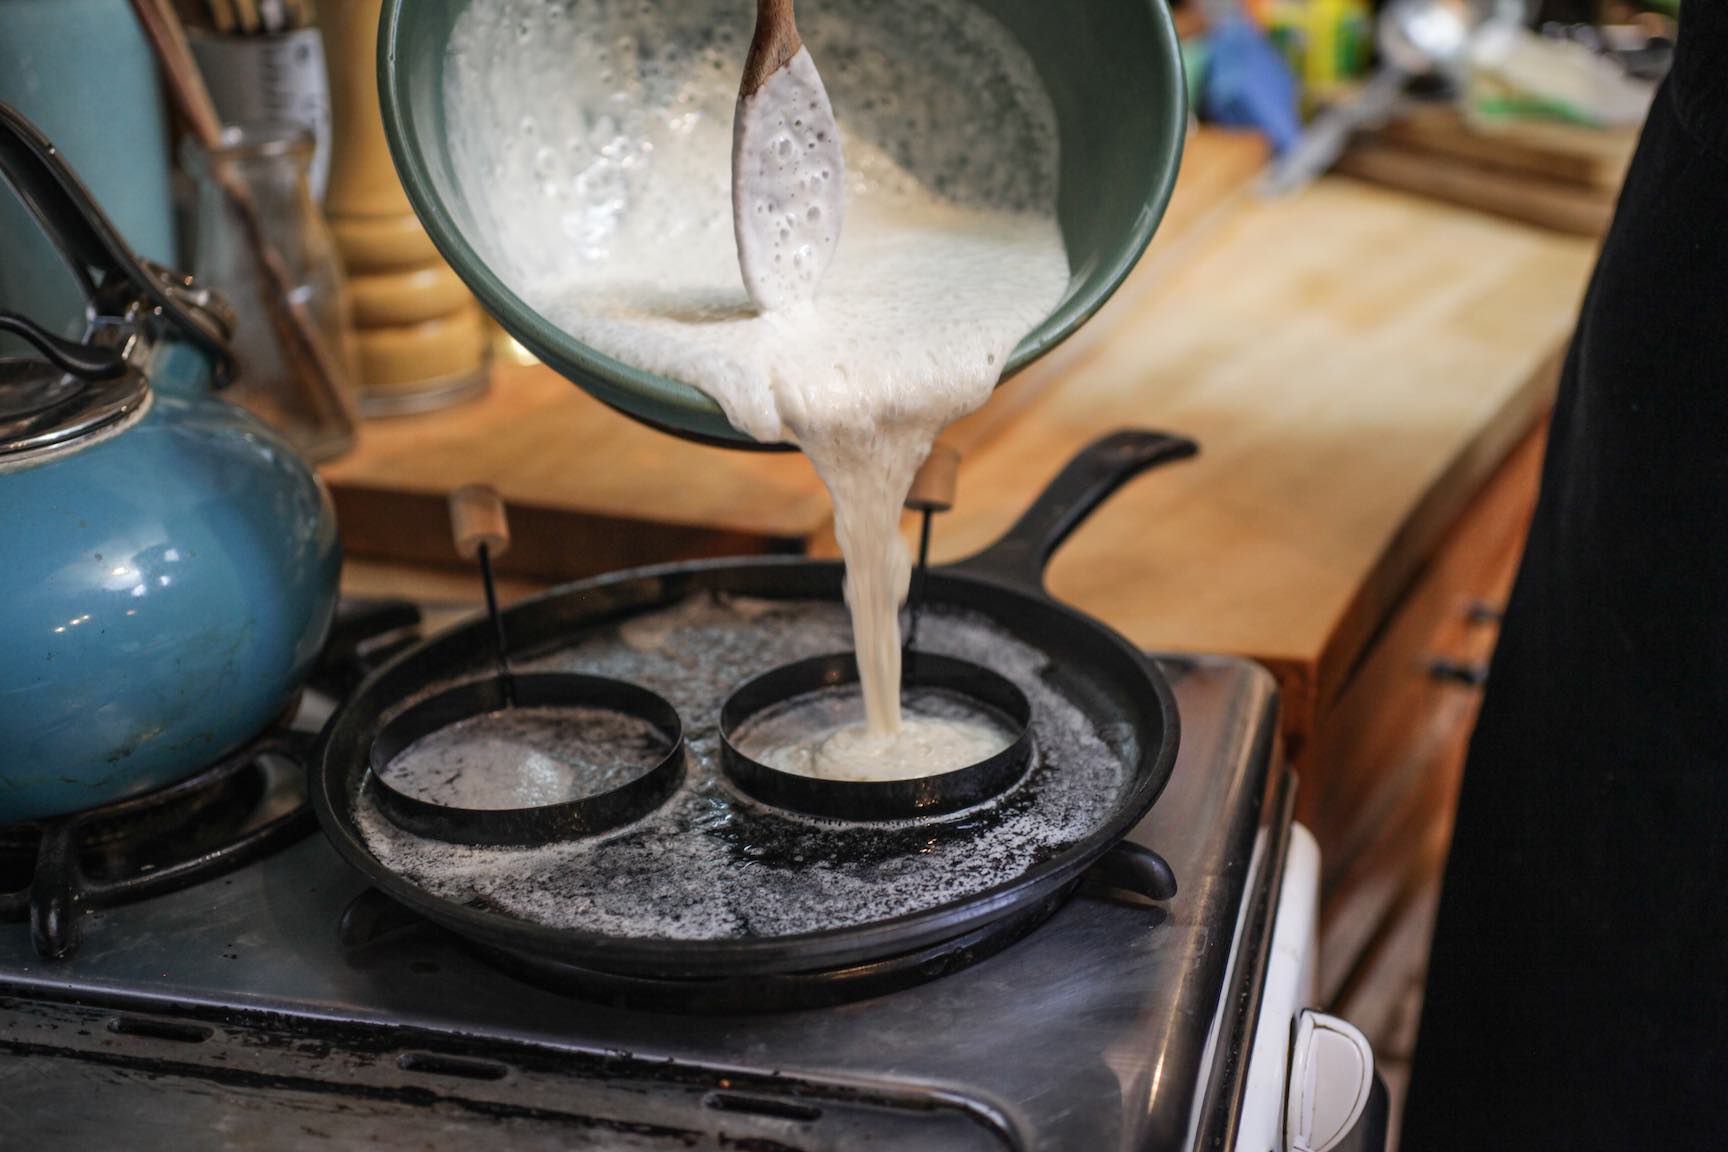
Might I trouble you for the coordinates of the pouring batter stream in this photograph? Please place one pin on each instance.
(610, 210)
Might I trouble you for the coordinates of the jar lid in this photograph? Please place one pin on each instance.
(43, 407)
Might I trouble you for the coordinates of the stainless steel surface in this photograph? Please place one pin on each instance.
(1099, 1031)
(1422, 36)
(1419, 36)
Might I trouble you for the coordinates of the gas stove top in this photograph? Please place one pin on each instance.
(277, 1007)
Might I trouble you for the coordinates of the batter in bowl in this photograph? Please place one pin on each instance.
(606, 203)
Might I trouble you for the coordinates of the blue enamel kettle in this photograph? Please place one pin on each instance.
(169, 564)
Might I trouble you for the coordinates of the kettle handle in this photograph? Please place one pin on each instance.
(86, 361)
(111, 275)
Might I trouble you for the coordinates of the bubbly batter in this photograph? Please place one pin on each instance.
(823, 735)
(594, 140)
(919, 747)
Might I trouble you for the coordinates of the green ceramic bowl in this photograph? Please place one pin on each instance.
(1114, 72)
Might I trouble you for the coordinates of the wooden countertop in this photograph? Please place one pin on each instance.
(1354, 362)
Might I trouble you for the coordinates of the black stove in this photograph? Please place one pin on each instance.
(279, 1006)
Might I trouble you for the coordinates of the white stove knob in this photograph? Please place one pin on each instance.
(1331, 1084)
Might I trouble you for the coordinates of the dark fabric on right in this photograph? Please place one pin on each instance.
(1578, 992)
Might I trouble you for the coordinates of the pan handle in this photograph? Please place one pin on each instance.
(1019, 557)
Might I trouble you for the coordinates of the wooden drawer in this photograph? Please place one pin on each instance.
(1379, 780)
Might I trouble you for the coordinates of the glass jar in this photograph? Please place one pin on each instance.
(260, 240)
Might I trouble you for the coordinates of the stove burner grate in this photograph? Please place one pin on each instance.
(54, 871)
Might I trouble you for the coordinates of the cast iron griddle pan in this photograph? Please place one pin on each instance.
(1119, 687)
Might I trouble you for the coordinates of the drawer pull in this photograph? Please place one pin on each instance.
(1458, 672)
(1484, 612)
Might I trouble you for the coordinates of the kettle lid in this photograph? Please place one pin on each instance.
(42, 405)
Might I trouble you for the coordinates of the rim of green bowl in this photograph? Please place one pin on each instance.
(684, 409)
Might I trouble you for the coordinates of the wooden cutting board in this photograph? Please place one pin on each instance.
(1559, 176)
(1565, 153)
(591, 490)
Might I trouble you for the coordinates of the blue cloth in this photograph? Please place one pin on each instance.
(1248, 85)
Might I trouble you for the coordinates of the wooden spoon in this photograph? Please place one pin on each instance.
(788, 177)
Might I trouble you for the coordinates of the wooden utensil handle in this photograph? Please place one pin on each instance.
(477, 517)
(776, 41)
(934, 485)
(774, 13)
